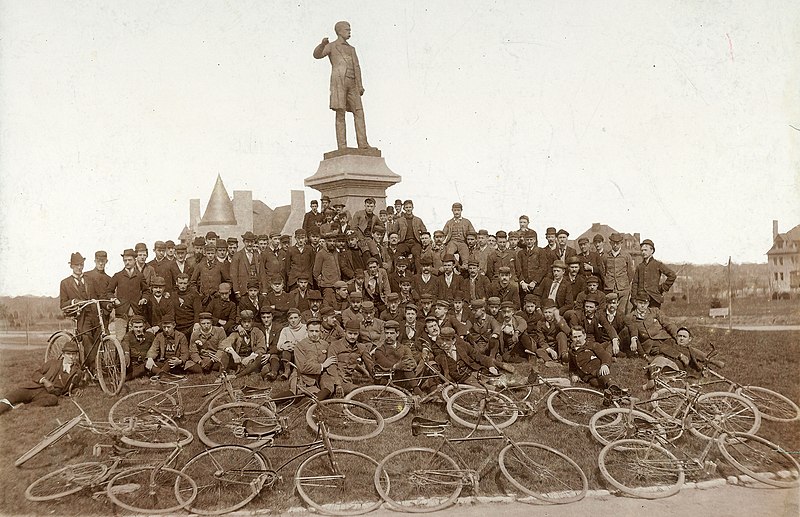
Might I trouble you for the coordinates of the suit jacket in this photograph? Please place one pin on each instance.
(299, 263)
(243, 270)
(382, 287)
(175, 271)
(564, 298)
(410, 230)
(593, 259)
(246, 304)
(596, 329)
(654, 325)
(326, 268)
(510, 293)
(531, 265)
(429, 287)
(481, 289)
(272, 264)
(343, 58)
(361, 221)
(154, 310)
(448, 292)
(648, 278)
(129, 290)
(498, 259)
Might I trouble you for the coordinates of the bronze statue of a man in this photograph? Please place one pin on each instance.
(346, 86)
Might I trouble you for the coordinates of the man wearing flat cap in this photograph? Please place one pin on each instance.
(299, 260)
(204, 343)
(182, 265)
(350, 356)
(244, 348)
(273, 260)
(135, 345)
(455, 234)
(504, 288)
(648, 275)
(590, 260)
(223, 310)
(501, 257)
(531, 263)
(208, 275)
(161, 265)
(619, 270)
(100, 280)
(170, 351)
(484, 335)
(393, 356)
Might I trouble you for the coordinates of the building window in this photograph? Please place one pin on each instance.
(781, 276)
(774, 261)
(776, 277)
(780, 260)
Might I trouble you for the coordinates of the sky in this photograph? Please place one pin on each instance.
(678, 120)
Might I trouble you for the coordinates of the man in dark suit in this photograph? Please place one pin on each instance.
(182, 265)
(557, 288)
(75, 288)
(476, 285)
(410, 228)
(245, 265)
(449, 282)
(564, 252)
(590, 260)
(648, 275)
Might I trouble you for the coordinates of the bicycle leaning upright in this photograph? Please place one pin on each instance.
(108, 367)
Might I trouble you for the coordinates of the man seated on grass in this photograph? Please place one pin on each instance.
(204, 343)
(552, 331)
(290, 336)
(312, 359)
(688, 357)
(135, 346)
(351, 357)
(459, 362)
(394, 357)
(169, 351)
(246, 347)
(47, 383)
(588, 362)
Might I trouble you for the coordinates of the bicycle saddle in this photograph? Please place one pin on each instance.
(427, 427)
(252, 390)
(254, 429)
(426, 422)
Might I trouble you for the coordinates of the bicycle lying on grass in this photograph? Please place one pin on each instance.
(333, 481)
(108, 367)
(149, 487)
(421, 479)
(156, 431)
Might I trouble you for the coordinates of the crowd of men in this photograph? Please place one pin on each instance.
(378, 290)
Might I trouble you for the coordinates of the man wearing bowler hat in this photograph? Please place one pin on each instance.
(126, 289)
(618, 272)
(648, 275)
(245, 265)
(76, 288)
(100, 280)
(182, 265)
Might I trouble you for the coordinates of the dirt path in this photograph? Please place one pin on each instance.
(724, 501)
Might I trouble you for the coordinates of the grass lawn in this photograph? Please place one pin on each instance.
(768, 359)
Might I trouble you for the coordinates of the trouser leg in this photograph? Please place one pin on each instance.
(341, 130)
(361, 129)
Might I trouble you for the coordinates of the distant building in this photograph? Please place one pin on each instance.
(630, 242)
(233, 217)
(783, 260)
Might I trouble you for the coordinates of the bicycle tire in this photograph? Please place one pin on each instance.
(338, 482)
(227, 477)
(451, 389)
(670, 402)
(612, 424)
(723, 411)
(137, 485)
(464, 407)
(760, 459)
(772, 405)
(56, 342)
(574, 406)
(225, 425)
(157, 434)
(65, 481)
(141, 404)
(49, 439)
(345, 420)
(641, 469)
(543, 472)
(110, 365)
(418, 480)
(392, 403)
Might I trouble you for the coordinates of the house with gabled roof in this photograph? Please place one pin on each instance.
(783, 261)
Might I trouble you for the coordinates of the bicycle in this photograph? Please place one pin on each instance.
(649, 469)
(109, 364)
(145, 487)
(333, 481)
(422, 479)
(156, 432)
(346, 420)
(571, 405)
(170, 401)
(393, 401)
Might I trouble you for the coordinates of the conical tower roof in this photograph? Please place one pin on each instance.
(219, 210)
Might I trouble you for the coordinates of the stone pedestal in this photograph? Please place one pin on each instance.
(352, 175)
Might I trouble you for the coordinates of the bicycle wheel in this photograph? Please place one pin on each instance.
(543, 472)
(575, 406)
(608, 425)
(670, 402)
(771, 404)
(338, 482)
(392, 403)
(110, 365)
(141, 405)
(228, 477)
(449, 390)
(151, 490)
(228, 424)
(760, 459)
(477, 408)
(56, 342)
(722, 411)
(346, 420)
(157, 433)
(418, 480)
(65, 481)
(51, 438)
(641, 469)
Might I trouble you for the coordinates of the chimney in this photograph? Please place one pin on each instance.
(595, 227)
(774, 229)
(194, 214)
